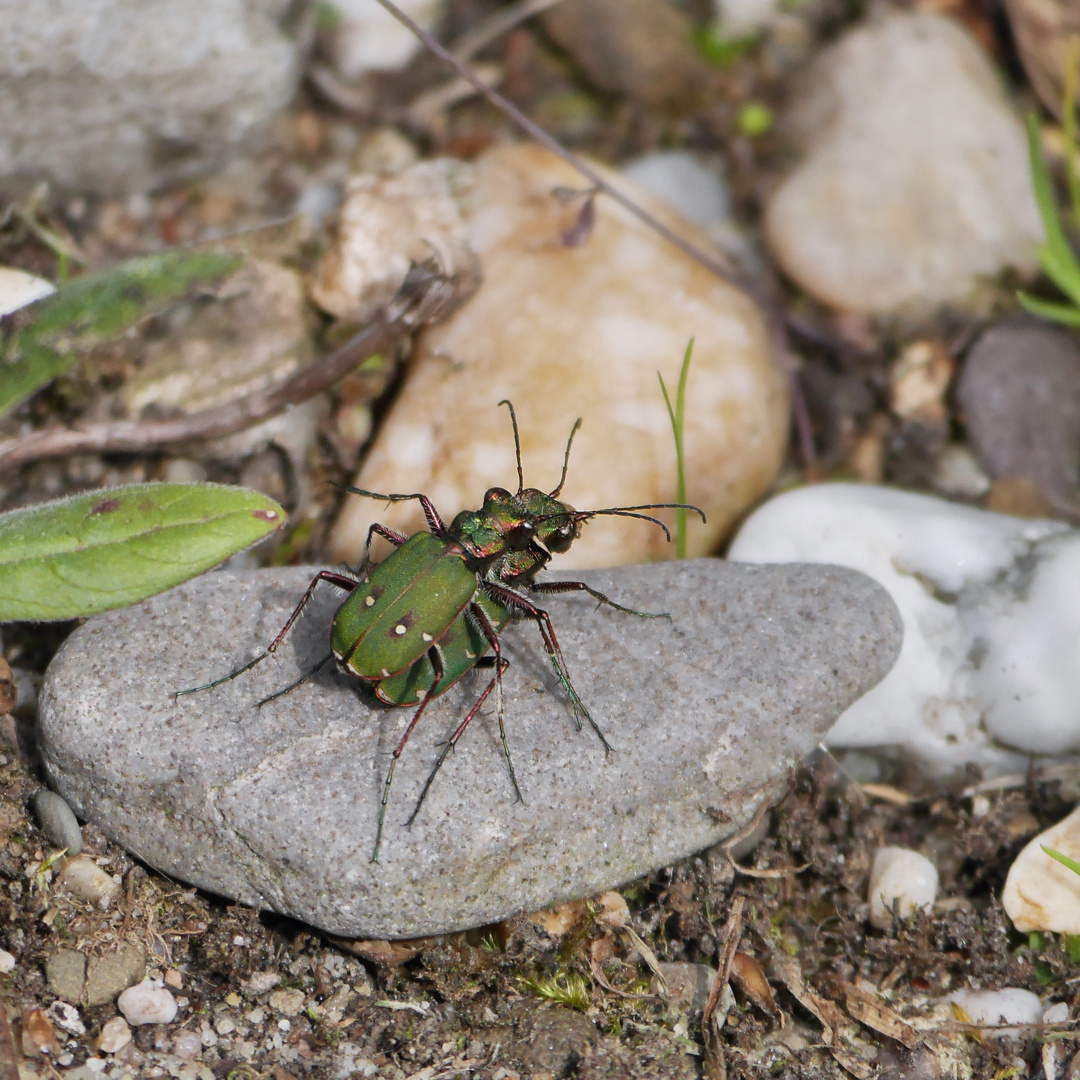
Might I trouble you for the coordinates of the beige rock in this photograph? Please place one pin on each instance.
(580, 331)
(1040, 893)
(83, 877)
(914, 182)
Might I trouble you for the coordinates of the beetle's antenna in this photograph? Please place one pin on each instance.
(629, 511)
(566, 459)
(517, 442)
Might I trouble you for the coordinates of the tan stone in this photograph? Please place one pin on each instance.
(1040, 893)
(580, 331)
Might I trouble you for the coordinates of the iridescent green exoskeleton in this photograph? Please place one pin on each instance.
(414, 624)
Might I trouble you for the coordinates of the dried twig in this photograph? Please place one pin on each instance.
(425, 295)
(497, 24)
(732, 933)
(9, 1062)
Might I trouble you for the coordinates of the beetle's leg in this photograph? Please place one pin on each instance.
(434, 521)
(339, 580)
(501, 664)
(580, 586)
(395, 538)
(292, 686)
(522, 605)
(437, 666)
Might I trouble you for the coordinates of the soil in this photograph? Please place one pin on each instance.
(571, 993)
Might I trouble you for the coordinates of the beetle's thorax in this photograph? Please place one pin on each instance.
(529, 521)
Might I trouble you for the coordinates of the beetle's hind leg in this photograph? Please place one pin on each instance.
(299, 682)
(602, 600)
(501, 664)
(339, 580)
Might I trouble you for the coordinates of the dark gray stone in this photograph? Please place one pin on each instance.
(57, 821)
(1019, 393)
(133, 94)
(277, 807)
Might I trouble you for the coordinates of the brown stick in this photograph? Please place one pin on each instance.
(714, 1054)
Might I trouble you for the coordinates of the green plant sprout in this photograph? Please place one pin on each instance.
(1072, 864)
(676, 416)
(1057, 257)
(564, 988)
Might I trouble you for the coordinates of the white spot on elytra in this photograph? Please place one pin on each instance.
(369, 601)
(400, 629)
(426, 637)
(385, 673)
(470, 655)
(420, 695)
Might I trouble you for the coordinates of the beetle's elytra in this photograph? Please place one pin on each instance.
(414, 624)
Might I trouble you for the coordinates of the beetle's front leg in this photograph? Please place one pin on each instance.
(436, 524)
(395, 538)
(580, 586)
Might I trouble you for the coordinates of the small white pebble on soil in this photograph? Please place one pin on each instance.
(262, 981)
(187, 1044)
(1040, 893)
(1057, 1013)
(1010, 1005)
(225, 1026)
(115, 1034)
(904, 876)
(289, 1002)
(256, 1016)
(83, 877)
(147, 1003)
(7, 962)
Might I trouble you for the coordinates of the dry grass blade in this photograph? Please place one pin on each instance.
(9, 1063)
(715, 1068)
(870, 1010)
(497, 24)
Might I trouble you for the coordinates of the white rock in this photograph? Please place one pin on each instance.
(1010, 1005)
(684, 182)
(115, 1035)
(18, 288)
(1057, 1013)
(738, 18)
(915, 179)
(1040, 893)
(147, 1002)
(581, 331)
(367, 37)
(7, 962)
(991, 609)
(903, 878)
(89, 882)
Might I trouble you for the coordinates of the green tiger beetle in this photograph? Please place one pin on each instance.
(414, 624)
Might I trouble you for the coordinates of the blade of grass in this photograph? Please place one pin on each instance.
(1069, 122)
(1057, 257)
(1072, 864)
(676, 416)
(1066, 314)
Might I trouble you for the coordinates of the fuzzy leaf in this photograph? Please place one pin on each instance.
(115, 546)
(97, 308)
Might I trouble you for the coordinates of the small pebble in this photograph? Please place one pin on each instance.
(903, 878)
(115, 1034)
(58, 822)
(289, 1002)
(1040, 893)
(1057, 1013)
(147, 1003)
(67, 1017)
(18, 288)
(225, 1026)
(7, 962)
(83, 877)
(187, 1044)
(1009, 1005)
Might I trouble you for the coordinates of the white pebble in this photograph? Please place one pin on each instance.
(987, 671)
(147, 1002)
(18, 288)
(683, 182)
(1009, 1005)
(187, 1044)
(115, 1035)
(900, 877)
(7, 962)
(1057, 1013)
(83, 877)
(225, 1026)
(1040, 893)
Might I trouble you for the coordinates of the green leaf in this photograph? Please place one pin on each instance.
(721, 51)
(1072, 864)
(1057, 258)
(115, 546)
(98, 308)
(675, 415)
(1046, 309)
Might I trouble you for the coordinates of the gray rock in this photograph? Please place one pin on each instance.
(126, 95)
(915, 180)
(707, 714)
(1019, 392)
(688, 985)
(57, 821)
(113, 972)
(65, 972)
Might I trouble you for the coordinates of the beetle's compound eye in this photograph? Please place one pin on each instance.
(497, 494)
(561, 539)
